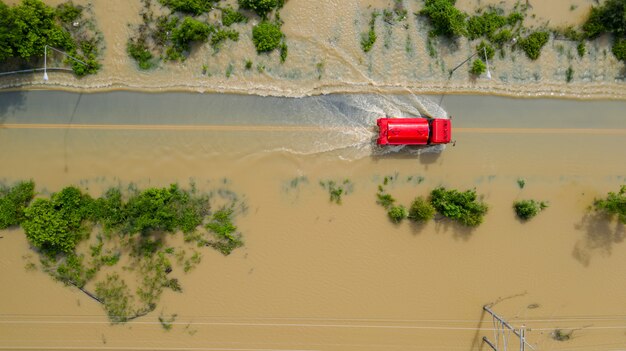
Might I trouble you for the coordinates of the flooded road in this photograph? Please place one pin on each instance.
(314, 275)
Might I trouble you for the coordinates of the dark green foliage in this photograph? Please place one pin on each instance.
(230, 16)
(614, 204)
(521, 183)
(385, 200)
(139, 51)
(502, 37)
(13, 201)
(619, 49)
(56, 225)
(284, 50)
(527, 209)
(261, 7)
(221, 35)
(397, 213)
(569, 74)
(485, 24)
(421, 210)
(610, 17)
(266, 36)
(478, 67)
(581, 49)
(165, 26)
(514, 18)
(196, 7)
(484, 48)
(459, 206)
(248, 64)
(446, 19)
(225, 231)
(369, 38)
(68, 12)
(189, 31)
(533, 44)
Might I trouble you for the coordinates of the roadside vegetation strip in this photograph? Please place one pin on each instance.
(186, 23)
(31, 25)
(96, 244)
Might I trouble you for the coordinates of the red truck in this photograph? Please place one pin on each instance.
(413, 131)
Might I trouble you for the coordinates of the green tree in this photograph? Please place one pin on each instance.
(13, 201)
(478, 67)
(533, 44)
(266, 36)
(463, 207)
(614, 204)
(397, 213)
(446, 19)
(196, 7)
(421, 210)
(619, 49)
(485, 24)
(610, 17)
(527, 209)
(261, 7)
(191, 30)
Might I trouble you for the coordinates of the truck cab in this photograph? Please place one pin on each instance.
(413, 131)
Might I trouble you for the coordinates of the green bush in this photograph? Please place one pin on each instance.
(569, 74)
(478, 67)
(485, 24)
(502, 37)
(221, 35)
(230, 16)
(459, 206)
(421, 210)
(533, 44)
(261, 7)
(67, 12)
(619, 49)
(56, 225)
(397, 213)
(266, 36)
(527, 209)
(581, 49)
(610, 17)
(13, 201)
(484, 48)
(446, 19)
(614, 204)
(196, 7)
(368, 39)
(225, 231)
(189, 31)
(138, 50)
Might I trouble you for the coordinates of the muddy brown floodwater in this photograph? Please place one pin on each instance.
(314, 275)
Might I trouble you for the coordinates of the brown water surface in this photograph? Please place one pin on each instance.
(319, 276)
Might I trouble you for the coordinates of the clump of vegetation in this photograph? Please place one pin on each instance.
(485, 24)
(138, 49)
(337, 190)
(485, 49)
(384, 199)
(478, 67)
(219, 36)
(580, 48)
(133, 223)
(13, 201)
(533, 44)
(613, 205)
(225, 232)
(230, 16)
(421, 210)
(261, 7)
(609, 17)
(266, 36)
(521, 183)
(31, 25)
(397, 213)
(196, 7)
(569, 74)
(446, 19)
(191, 30)
(619, 49)
(167, 322)
(527, 209)
(561, 335)
(369, 38)
(463, 207)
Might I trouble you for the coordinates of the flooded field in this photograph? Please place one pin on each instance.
(314, 275)
(325, 55)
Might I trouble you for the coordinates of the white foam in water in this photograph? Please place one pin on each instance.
(349, 122)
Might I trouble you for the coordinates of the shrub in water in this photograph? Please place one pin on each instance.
(421, 210)
(533, 44)
(463, 207)
(266, 36)
(446, 19)
(527, 209)
(397, 213)
(614, 204)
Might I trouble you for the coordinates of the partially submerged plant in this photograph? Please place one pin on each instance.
(527, 209)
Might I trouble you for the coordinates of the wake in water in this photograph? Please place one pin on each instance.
(349, 127)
